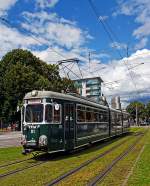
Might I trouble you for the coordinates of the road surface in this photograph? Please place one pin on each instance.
(10, 139)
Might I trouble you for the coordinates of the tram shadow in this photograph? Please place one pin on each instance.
(91, 147)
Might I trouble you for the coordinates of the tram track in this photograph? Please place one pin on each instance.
(86, 163)
(19, 161)
(99, 178)
(20, 170)
(14, 162)
(57, 180)
(12, 172)
(25, 167)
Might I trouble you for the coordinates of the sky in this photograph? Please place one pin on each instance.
(114, 33)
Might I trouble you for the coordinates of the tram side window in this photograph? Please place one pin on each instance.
(101, 117)
(96, 116)
(113, 117)
(80, 114)
(91, 115)
(105, 116)
(57, 115)
(48, 113)
(52, 113)
(120, 119)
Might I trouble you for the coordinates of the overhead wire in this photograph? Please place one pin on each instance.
(111, 35)
(34, 38)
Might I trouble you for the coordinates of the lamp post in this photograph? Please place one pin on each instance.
(136, 110)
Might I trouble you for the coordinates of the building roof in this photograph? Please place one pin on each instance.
(88, 78)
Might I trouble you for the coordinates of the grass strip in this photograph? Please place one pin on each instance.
(84, 176)
(120, 172)
(141, 171)
(54, 168)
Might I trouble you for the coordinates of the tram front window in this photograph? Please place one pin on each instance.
(34, 113)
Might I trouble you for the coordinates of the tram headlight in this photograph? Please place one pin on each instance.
(42, 140)
(23, 139)
(34, 93)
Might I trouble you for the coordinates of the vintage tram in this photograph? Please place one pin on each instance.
(54, 121)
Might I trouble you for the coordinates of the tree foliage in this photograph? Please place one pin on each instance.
(142, 110)
(22, 72)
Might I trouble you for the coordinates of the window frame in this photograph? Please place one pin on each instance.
(25, 110)
(95, 110)
(52, 104)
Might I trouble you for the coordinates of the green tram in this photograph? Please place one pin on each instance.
(54, 121)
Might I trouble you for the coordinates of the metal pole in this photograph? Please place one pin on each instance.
(1, 123)
(136, 115)
(89, 60)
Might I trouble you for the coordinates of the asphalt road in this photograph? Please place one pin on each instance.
(10, 139)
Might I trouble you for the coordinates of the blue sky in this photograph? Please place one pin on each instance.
(81, 13)
(61, 29)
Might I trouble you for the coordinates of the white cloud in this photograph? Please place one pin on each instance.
(6, 5)
(142, 31)
(141, 44)
(141, 11)
(55, 29)
(125, 86)
(117, 73)
(118, 46)
(12, 38)
(69, 41)
(103, 18)
(46, 3)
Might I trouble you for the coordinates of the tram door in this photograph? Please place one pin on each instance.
(69, 125)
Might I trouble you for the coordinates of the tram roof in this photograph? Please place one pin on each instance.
(67, 97)
(62, 96)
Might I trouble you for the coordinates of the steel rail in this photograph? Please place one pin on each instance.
(19, 161)
(21, 169)
(14, 162)
(99, 178)
(69, 173)
(63, 176)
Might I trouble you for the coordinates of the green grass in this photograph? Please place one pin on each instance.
(86, 174)
(141, 172)
(120, 172)
(137, 129)
(54, 168)
(10, 154)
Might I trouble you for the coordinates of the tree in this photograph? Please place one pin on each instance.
(148, 111)
(131, 109)
(22, 72)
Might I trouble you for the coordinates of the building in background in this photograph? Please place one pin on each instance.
(115, 103)
(90, 87)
